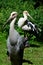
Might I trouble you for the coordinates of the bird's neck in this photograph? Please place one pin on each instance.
(12, 24)
(25, 17)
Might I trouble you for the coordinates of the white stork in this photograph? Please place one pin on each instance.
(26, 25)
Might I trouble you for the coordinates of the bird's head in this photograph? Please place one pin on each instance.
(12, 16)
(27, 14)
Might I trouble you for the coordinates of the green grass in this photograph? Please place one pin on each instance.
(33, 54)
(3, 57)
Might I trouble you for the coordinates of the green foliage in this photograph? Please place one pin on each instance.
(7, 6)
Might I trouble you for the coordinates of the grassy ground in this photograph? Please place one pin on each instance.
(34, 54)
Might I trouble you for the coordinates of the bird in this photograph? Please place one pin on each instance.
(13, 35)
(26, 25)
(15, 42)
(22, 20)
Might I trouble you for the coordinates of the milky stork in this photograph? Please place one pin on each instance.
(15, 43)
(22, 20)
(26, 25)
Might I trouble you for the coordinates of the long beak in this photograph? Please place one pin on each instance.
(30, 17)
(8, 21)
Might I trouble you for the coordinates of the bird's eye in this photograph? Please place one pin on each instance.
(26, 12)
(13, 14)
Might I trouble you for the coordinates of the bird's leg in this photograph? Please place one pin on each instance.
(28, 61)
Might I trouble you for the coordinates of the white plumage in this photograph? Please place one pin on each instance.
(22, 20)
(25, 27)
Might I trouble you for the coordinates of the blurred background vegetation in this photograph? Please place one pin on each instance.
(35, 8)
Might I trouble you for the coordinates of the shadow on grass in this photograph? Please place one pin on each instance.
(34, 45)
(28, 61)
